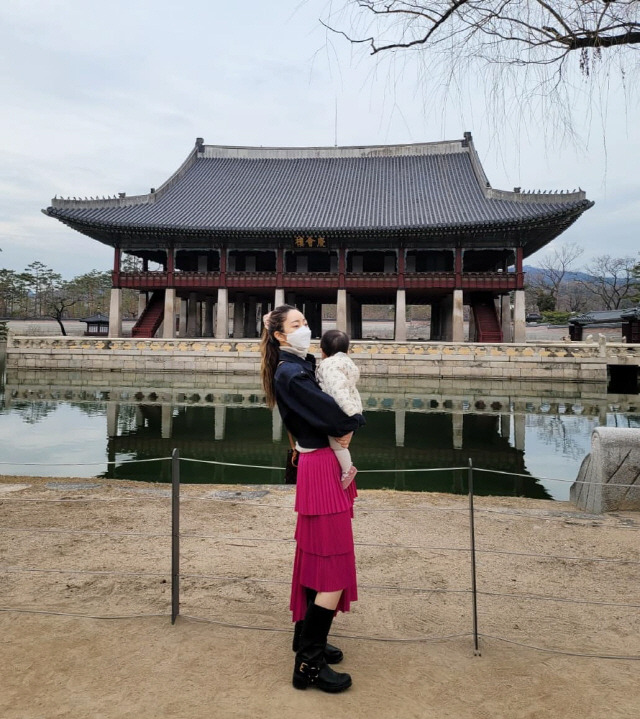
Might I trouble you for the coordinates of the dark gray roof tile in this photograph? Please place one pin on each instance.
(256, 190)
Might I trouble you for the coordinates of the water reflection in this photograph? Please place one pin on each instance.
(391, 440)
(504, 428)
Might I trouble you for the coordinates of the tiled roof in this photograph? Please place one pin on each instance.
(430, 186)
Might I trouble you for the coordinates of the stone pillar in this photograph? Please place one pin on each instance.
(167, 421)
(519, 325)
(505, 316)
(142, 303)
(182, 327)
(169, 322)
(276, 425)
(341, 310)
(400, 333)
(400, 426)
(472, 326)
(238, 315)
(113, 409)
(349, 315)
(505, 425)
(115, 313)
(208, 317)
(457, 334)
(222, 318)
(220, 417)
(457, 425)
(278, 297)
(192, 315)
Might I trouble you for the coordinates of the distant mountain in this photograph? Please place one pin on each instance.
(535, 272)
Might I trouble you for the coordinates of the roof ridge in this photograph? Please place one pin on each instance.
(345, 151)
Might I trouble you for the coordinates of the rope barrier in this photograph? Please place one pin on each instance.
(632, 658)
(278, 468)
(106, 572)
(175, 572)
(340, 635)
(84, 464)
(285, 540)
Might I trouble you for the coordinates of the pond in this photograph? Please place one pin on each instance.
(90, 429)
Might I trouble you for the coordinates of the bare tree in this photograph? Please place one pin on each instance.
(576, 297)
(58, 304)
(503, 30)
(527, 42)
(554, 267)
(611, 281)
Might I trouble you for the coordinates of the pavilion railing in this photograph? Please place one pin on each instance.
(471, 281)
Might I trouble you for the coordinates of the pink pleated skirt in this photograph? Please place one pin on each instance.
(324, 559)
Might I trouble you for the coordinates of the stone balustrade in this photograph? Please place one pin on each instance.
(560, 361)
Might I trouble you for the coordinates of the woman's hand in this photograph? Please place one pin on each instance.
(344, 440)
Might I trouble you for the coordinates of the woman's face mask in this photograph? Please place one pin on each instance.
(300, 339)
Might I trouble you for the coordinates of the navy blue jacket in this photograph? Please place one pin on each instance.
(308, 413)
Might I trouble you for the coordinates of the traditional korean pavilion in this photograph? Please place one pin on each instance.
(350, 226)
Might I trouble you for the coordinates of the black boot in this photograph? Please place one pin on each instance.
(332, 654)
(311, 668)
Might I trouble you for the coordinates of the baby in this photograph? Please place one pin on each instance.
(337, 376)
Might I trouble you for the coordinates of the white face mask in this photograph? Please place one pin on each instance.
(300, 339)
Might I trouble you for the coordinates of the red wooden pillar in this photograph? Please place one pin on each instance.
(279, 266)
(170, 266)
(458, 267)
(341, 266)
(519, 272)
(401, 266)
(116, 267)
(223, 267)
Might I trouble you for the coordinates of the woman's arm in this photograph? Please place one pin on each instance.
(305, 398)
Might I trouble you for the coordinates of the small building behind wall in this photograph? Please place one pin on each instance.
(348, 226)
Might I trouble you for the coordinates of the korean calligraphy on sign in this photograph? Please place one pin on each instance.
(310, 241)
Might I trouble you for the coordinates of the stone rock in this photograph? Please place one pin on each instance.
(609, 477)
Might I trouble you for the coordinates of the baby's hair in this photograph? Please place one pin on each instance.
(334, 341)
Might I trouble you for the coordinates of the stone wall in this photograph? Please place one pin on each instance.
(566, 362)
(609, 477)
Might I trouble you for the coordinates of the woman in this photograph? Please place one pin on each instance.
(324, 573)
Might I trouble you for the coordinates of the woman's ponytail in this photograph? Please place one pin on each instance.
(270, 350)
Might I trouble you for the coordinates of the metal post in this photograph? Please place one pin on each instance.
(175, 535)
(474, 593)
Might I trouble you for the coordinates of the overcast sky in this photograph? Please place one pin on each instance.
(107, 97)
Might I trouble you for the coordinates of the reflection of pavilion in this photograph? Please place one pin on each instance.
(399, 439)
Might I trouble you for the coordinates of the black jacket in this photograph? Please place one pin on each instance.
(308, 413)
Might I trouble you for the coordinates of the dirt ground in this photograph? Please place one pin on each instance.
(407, 642)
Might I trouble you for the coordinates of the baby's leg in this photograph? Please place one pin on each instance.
(342, 454)
(344, 458)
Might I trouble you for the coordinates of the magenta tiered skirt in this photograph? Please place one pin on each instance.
(324, 560)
